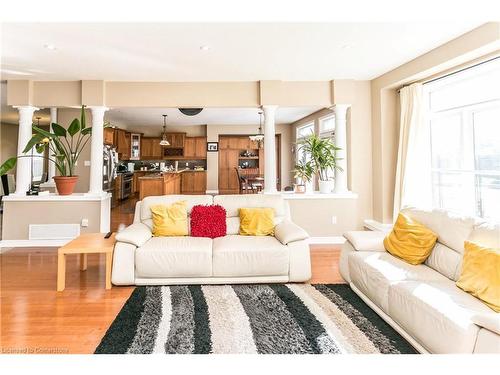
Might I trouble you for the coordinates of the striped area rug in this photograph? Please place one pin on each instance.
(274, 318)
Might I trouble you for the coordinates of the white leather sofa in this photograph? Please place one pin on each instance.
(422, 302)
(140, 259)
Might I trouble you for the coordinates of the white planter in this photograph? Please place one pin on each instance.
(326, 187)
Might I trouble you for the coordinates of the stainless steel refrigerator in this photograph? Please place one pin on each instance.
(110, 163)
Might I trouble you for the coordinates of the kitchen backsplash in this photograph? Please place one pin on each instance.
(182, 163)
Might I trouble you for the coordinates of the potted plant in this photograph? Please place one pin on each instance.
(304, 172)
(64, 148)
(322, 152)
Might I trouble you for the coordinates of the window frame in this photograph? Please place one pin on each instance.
(468, 159)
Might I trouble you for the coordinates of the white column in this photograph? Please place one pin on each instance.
(340, 111)
(96, 150)
(269, 149)
(52, 166)
(23, 169)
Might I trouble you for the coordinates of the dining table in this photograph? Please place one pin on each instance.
(255, 181)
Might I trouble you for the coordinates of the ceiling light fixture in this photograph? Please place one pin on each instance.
(205, 48)
(164, 141)
(50, 46)
(259, 138)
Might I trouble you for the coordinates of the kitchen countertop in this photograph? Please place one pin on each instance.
(158, 174)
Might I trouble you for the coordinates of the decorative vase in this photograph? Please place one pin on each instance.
(301, 189)
(65, 184)
(326, 187)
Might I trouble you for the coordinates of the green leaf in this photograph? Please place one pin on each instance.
(82, 118)
(40, 147)
(33, 141)
(58, 130)
(74, 127)
(8, 165)
(86, 131)
(43, 132)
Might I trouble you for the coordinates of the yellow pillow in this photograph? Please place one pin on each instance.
(170, 220)
(481, 274)
(410, 240)
(256, 221)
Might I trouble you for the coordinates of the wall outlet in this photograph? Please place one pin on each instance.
(86, 163)
(85, 223)
(334, 219)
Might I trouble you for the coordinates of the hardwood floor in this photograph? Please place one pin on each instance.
(36, 319)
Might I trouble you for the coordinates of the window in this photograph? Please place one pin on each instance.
(327, 127)
(302, 132)
(463, 113)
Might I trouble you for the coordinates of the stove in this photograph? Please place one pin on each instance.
(127, 181)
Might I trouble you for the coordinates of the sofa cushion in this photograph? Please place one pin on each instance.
(170, 220)
(233, 203)
(437, 314)
(236, 255)
(192, 200)
(486, 234)
(410, 240)
(445, 261)
(174, 257)
(480, 275)
(373, 272)
(208, 221)
(452, 230)
(256, 221)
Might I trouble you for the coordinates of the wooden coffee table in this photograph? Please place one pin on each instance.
(91, 243)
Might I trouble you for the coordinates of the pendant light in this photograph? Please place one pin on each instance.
(259, 138)
(164, 141)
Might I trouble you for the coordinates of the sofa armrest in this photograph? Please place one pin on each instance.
(489, 321)
(136, 234)
(366, 240)
(286, 232)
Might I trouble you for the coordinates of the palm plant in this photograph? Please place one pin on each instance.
(323, 155)
(64, 148)
(304, 171)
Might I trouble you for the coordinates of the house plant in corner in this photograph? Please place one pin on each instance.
(323, 158)
(304, 172)
(64, 148)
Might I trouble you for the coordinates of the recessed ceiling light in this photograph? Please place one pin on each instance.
(345, 46)
(205, 48)
(50, 46)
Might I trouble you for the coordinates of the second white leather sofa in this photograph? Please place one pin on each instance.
(422, 302)
(140, 259)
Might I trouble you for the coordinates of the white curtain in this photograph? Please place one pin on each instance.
(413, 172)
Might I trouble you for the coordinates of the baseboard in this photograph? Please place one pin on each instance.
(32, 243)
(333, 240)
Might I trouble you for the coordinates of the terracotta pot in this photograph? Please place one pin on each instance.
(65, 184)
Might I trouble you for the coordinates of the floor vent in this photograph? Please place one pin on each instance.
(53, 231)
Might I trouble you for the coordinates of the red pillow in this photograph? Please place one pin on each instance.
(208, 221)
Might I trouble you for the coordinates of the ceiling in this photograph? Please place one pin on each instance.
(235, 52)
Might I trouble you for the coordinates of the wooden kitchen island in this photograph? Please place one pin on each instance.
(160, 184)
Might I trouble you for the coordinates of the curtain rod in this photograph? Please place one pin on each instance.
(449, 74)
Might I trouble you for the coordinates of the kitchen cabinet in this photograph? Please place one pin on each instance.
(189, 147)
(195, 147)
(122, 143)
(201, 147)
(176, 140)
(193, 182)
(109, 136)
(230, 150)
(135, 146)
(150, 148)
(168, 183)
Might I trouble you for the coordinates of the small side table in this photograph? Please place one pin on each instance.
(90, 243)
